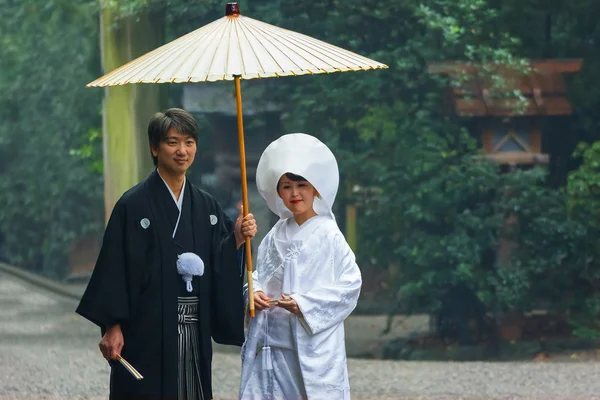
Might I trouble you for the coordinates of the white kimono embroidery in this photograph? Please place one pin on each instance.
(308, 355)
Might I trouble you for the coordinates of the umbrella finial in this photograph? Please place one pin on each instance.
(232, 10)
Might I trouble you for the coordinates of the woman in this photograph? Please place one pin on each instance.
(306, 281)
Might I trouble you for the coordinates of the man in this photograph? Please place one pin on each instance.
(148, 314)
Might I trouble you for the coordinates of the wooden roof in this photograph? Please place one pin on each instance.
(475, 94)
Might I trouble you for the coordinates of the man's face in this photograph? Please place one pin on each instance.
(175, 153)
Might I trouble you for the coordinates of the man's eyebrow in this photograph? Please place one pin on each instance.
(190, 137)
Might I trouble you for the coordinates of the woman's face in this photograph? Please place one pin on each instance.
(298, 196)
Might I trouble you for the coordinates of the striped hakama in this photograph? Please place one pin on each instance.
(189, 383)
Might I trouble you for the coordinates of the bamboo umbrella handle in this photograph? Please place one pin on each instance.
(240, 123)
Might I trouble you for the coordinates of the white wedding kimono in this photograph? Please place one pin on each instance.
(288, 357)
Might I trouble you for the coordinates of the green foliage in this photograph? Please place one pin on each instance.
(444, 223)
(585, 318)
(91, 151)
(583, 201)
(584, 183)
(48, 197)
(551, 254)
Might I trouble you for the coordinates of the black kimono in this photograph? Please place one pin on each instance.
(135, 283)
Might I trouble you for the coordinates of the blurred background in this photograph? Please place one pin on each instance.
(470, 168)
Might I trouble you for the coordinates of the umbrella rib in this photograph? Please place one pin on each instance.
(326, 47)
(158, 61)
(274, 41)
(272, 38)
(253, 34)
(157, 67)
(190, 44)
(214, 55)
(129, 73)
(241, 52)
(123, 71)
(348, 61)
(305, 42)
(347, 54)
(316, 51)
(248, 32)
(207, 34)
(148, 62)
(239, 45)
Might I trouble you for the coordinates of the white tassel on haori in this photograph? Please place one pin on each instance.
(188, 266)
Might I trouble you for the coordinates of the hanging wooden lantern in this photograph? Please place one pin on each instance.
(509, 126)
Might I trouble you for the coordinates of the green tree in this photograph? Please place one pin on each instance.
(47, 196)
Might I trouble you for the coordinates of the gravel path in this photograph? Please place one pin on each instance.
(48, 352)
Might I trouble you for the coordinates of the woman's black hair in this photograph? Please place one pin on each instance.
(291, 177)
(294, 177)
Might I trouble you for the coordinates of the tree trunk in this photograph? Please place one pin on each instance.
(127, 109)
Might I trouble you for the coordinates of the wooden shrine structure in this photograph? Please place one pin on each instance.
(505, 105)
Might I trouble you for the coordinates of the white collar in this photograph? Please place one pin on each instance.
(179, 202)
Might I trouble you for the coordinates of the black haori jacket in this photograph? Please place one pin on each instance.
(135, 283)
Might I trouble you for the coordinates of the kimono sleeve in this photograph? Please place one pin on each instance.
(255, 288)
(329, 305)
(227, 299)
(105, 300)
(260, 260)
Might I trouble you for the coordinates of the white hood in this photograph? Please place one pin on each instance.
(303, 155)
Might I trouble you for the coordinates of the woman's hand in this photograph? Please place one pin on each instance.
(289, 304)
(260, 300)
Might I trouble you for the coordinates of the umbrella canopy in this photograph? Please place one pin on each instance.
(232, 46)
